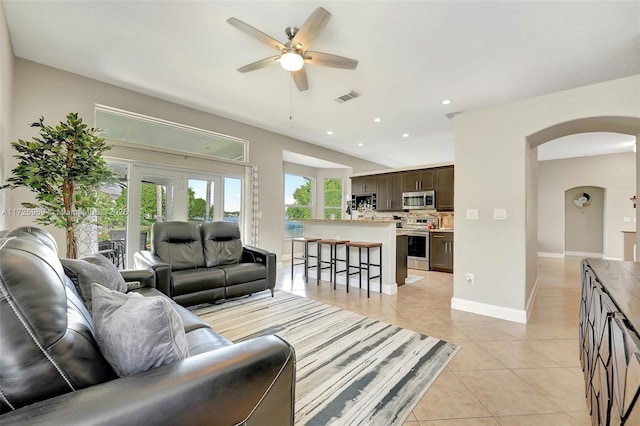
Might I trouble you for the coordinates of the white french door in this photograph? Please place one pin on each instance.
(160, 194)
(155, 194)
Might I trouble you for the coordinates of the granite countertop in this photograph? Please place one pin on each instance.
(354, 222)
(621, 280)
(401, 231)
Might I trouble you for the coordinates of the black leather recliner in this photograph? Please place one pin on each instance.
(205, 262)
(52, 371)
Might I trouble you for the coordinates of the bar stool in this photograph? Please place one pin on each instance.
(333, 259)
(364, 265)
(305, 257)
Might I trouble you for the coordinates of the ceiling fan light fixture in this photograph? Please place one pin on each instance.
(291, 61)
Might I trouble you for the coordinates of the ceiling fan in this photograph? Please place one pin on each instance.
(294, 54)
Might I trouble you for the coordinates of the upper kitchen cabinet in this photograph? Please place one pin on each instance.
(389, 192)
(444, 189)
(364, 184)
(419, 180)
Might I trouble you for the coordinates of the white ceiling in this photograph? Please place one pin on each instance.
(412, 55)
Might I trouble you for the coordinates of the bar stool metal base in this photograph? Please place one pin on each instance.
(333, 259)
(362, 265)
(306, 255)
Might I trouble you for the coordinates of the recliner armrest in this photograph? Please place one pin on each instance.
(147, 260)
(267, 258)
(250, 383)
(145, 277)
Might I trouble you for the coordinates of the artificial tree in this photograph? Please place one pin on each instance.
(65, 168)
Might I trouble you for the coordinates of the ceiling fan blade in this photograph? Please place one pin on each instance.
(255, 33)
(311, 28)
(260, 64)
(329, 60)
(300, 78)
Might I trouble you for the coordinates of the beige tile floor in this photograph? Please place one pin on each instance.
(506, 373)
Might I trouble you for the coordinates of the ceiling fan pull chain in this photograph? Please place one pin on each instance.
(291, 102)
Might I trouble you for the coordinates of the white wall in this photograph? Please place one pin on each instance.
(6, 77)
(41, 90)
(615, 172)
(493, 171)
(584, 226)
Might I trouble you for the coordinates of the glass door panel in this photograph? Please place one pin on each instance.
(153, 198)
(112, 217)
(201, 204)
(156, 205)
(232, 199)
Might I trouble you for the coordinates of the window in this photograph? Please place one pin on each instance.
(297, 204)
(232, 199)
(333, 198)
(201, 194)
(135, 128)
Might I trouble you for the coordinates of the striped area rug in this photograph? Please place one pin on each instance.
(350, 369)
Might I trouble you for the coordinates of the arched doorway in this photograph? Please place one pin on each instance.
(496, 168)
(624, 125)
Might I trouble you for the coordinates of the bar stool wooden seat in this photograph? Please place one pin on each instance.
(364, 265)
(306, 256)
(333, 259)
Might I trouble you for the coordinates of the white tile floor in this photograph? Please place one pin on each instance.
(506, 373)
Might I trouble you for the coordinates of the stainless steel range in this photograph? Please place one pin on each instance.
(418, 242)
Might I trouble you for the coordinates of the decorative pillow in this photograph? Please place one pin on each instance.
(93, 269)
(137, 333)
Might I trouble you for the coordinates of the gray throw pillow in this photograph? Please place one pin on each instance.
(93, 269)
(137, 333)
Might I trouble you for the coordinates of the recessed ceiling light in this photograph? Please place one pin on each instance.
(377, 120)
(446, 102)
(405, 135)
(329, 132)
(360, 144)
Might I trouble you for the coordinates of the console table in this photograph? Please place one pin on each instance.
(609, 340)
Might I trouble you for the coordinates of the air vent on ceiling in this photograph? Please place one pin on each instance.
(347, 97)
(452, 114)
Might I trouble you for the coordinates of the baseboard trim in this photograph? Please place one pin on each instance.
(550, 254)
(531, 299)
(509, 314)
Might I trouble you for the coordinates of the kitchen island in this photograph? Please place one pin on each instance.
(394, 248)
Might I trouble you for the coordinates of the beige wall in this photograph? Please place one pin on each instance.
(492, 158)
(41, 90)
(584, 227)
(616, 173)
(6, 76)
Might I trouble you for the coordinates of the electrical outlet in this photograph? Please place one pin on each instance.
(468, 277)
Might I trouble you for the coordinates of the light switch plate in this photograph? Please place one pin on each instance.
(472, 214)
(499, 214)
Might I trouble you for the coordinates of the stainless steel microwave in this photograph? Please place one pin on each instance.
(423, 200)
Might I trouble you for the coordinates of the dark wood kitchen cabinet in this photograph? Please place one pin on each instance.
(444, 189)
(389, 192)
(364, 184)
(419, 180)
(441, 251)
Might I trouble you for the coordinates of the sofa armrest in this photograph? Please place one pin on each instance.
(250, 383)
(147, 260)
(143, 278)
(267, 258)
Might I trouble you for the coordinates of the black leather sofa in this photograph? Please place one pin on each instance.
(205, 262)
(53, 373)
